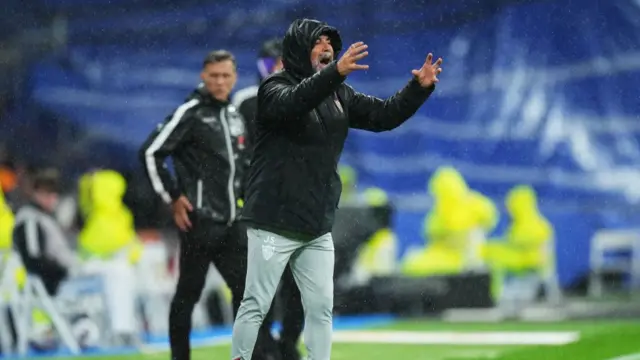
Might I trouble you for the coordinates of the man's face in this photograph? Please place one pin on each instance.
(47, 199)
(322, 53)
(219, 79)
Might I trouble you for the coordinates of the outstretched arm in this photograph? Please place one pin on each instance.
(374, 114)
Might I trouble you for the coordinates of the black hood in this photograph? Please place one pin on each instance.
(300, 39)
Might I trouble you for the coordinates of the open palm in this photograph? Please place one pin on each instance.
(428, 73)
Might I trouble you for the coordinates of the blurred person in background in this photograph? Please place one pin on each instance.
(109, 246)
(37, 236)
(445, 229)
(41, 243)
(246, 101)
(304, 114)
(524, 260)
(205, 137)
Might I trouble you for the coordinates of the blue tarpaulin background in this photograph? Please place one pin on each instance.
(538, 92)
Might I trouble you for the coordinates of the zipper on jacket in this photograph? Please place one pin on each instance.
(337, 103)
(324, 127)
(199, 195)
(232, 166)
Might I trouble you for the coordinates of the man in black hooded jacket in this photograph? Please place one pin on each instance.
(304, 114)
(246, 101)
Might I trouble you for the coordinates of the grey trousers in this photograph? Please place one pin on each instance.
(312, 266)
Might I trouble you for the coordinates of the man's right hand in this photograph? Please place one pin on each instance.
(181, 208)
(354, 53)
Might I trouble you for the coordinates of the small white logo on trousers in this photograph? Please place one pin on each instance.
(268, 248)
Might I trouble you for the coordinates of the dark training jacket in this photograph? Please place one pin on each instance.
(205, 138)
(301, 125)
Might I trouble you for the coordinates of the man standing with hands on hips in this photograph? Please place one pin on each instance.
(205, 137)
(304, 115)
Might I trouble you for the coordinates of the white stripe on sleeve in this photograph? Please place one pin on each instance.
(31, 237)
(156, 180)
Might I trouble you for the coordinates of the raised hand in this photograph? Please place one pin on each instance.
(354, 53)
(428, 73)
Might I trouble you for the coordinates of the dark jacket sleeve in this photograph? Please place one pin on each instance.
(29, 240)
(159, 145)
(374, 114)
(279, 101)
(247, 109)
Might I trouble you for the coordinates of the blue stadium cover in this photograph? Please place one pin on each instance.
(538, 92)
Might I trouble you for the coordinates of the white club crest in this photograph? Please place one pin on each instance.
(268, 251)
(236, 126)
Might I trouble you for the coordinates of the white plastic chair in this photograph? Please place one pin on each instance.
(603, 243)
(35, 295)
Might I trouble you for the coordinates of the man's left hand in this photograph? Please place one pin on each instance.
(428, 73)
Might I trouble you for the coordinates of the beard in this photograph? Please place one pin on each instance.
(323, 60)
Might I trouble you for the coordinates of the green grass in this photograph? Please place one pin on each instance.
(600, 340)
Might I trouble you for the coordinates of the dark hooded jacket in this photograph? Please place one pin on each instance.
(205, 139)
(301, 126)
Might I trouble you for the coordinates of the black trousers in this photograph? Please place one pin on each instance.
(225, 247)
